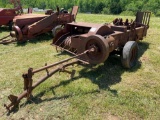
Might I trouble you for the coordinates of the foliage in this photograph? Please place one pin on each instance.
(94, 6)
(158, 13)
(127, 13)
(105, 11)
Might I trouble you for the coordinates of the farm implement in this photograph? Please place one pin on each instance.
(29, 26)
(90, 44)
(7, 15)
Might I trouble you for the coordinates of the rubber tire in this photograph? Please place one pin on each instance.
(56, 29)
(129, 55)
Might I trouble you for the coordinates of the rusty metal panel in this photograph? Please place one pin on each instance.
(35, 26)
(43, 23)
(74, 11)
(119, 28)
(139, 32)
(139, 17)
(27, 19)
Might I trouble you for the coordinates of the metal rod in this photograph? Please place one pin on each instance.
(21, 96)
(149, 18)
(51, 73)
(57, 63)
(62, 36)
(5, 37)
(72, 54)
(64, 49)
(7, 41)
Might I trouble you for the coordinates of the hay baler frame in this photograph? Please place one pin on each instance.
(107, 39)
(25, 29)
(90, 44)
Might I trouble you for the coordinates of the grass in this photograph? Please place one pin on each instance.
(107, 92)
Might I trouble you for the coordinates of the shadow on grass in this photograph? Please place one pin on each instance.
(61, 52)
(4, 29)
(40, 38)
(104, 75)
(109, 73)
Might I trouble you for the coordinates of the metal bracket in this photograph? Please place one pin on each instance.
(47, 69)
(72, 73)
(29, 82)
(13, 103)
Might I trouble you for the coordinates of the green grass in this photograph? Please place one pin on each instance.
(107, 92)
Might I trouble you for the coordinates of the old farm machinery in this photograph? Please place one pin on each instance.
(90, 44)
(30, 26)
(7, 15)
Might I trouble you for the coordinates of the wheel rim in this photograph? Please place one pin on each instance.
(98, 53)
(101, 49)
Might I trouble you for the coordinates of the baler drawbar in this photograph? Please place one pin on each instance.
(28, 81)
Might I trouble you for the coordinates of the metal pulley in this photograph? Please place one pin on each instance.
(101, 49)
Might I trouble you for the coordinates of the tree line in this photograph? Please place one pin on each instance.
(129, 7)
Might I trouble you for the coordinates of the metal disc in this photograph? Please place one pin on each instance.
(101, 49)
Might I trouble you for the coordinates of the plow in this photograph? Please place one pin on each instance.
(29, 26)
(90, 44)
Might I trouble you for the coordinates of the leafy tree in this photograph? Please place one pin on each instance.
(94, 6)
(115, 7)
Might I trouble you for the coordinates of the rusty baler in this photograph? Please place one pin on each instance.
(7, 15)
(90, 44)
(29, 26)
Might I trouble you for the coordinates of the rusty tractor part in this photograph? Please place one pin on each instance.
(16, 32)
(106, 39)
(144, 19)
(30, 26)
(28, 77)
(90, 44)
(49, 12)
(7, 15)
